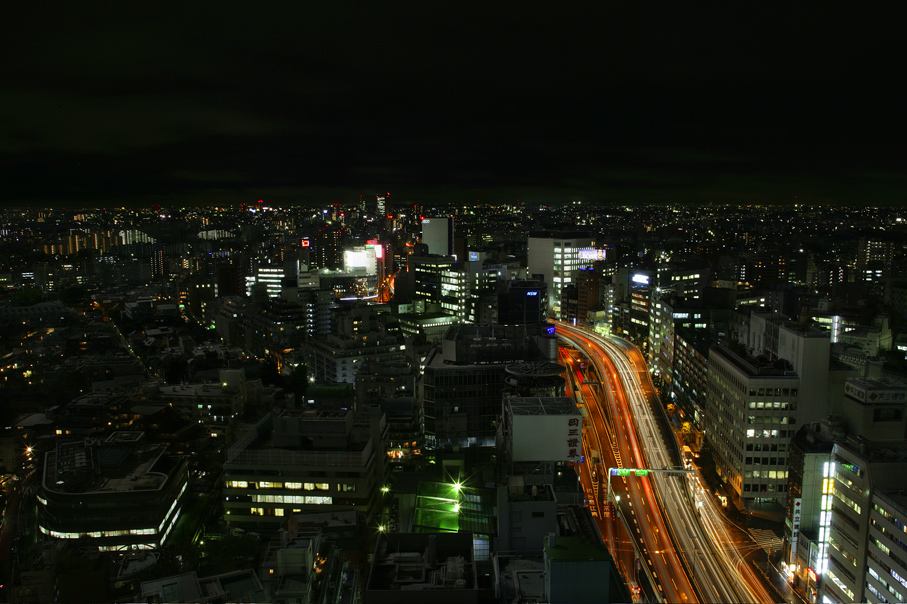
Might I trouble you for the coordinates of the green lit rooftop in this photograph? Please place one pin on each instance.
(444, 507)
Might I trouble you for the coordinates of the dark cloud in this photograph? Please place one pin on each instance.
(313, 102)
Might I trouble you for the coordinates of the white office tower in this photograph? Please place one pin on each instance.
(438, 235)
(554, 258)
(805, 348)
(751, 415)
(862, 555)
(268, 276)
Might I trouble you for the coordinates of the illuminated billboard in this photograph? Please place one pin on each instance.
(361, 257)
(591, 254)
(379, 248)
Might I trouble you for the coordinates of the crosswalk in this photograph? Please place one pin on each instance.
(766, 539)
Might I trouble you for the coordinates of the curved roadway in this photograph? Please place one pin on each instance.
(679, 532)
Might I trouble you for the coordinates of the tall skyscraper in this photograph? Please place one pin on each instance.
(438, 235)
(554, 258)
(328, 247)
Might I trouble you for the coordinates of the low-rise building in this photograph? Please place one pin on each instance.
(308, 461)
(119, 493)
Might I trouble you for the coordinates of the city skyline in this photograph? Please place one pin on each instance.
(566, 369)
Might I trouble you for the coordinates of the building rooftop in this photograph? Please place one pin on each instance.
(444, 507)
(414, 562)
(517, 491)
(574, 549)
(554, 405)
(122, 463)
(755, 367)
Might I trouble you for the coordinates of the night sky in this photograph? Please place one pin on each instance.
(216, 103)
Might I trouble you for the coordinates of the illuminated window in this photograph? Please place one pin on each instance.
(292, 485)
(238, 484)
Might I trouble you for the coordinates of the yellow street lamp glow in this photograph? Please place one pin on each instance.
(381, 527)
(457, 486)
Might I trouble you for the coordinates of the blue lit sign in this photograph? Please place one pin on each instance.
(473, 256)
(551, 330)
(532, 293)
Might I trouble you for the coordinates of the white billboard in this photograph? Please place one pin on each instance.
(360, 257)
(547, 437)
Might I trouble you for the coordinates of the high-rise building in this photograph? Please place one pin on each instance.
(327, 247)
(752, 414)
(809, 503)
(555, 257)
(523, 302)
(806, 349)
(359, 335)
(686, 280)
(269, 276)
(464, 380)
(846, 511)
(229, 278)
(440, 280)
(438, 235)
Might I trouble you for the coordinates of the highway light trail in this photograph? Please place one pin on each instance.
(684, 534)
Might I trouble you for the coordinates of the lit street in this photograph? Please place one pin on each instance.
(680, 533)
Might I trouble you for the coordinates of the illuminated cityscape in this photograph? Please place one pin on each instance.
(746, 363)
(300, 304)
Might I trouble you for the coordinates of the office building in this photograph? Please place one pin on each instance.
(439, 280)
(269, 277)
(579, 571)
(555, 258)
(367, 333)
(752, 415)
(438, 235)
(305, 461)
(463, 381)
(118, 494)
(523, 303)
(326, 247)
(808, 508)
